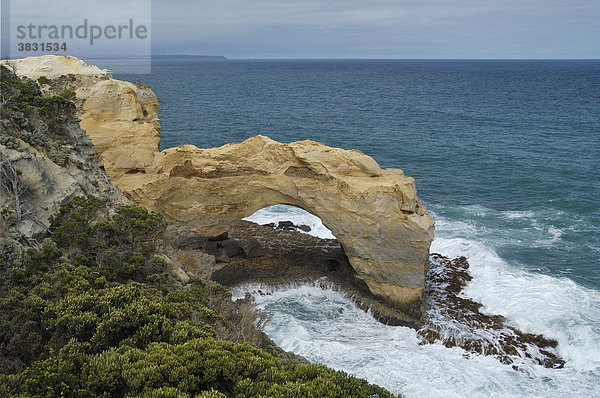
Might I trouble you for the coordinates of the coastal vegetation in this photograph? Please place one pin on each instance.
(38, 120)
(92, 313)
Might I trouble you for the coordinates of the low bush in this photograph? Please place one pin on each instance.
(40, 121)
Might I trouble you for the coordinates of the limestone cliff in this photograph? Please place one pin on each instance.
(375, 214)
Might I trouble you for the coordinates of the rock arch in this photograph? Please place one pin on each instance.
(375, 214)
(384, 229)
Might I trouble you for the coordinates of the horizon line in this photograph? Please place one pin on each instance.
(201, 57)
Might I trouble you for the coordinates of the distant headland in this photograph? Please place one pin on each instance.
(186, 56)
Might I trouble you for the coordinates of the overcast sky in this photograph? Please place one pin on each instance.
(378, 28)
(346, 28)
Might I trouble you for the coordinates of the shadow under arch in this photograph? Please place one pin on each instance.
(279, 244)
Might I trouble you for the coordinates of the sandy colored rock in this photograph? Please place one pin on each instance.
(53, 66)
(195, 262)
(384, 229)
(121, 119)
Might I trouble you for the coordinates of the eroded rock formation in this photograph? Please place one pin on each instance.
(374, 213)
(43, 164)
(457, 321)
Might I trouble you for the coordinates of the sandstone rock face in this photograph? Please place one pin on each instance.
(118, 115)
(122, 121)
(375, 214)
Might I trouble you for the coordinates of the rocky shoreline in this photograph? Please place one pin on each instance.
(457, 321)
(275, 256)
(252, 253)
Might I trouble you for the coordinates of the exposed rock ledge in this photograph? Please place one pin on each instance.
(53, 66)
(375, 214)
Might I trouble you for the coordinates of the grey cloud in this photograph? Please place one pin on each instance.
(358, 28)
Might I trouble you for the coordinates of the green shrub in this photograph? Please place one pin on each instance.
(9, 141)
(116, 246)
(84, 331)
(11, 254)
(40, 121)
(204, 367)
(68, 94)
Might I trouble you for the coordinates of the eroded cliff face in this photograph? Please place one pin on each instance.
(374, 213)
(44, 163)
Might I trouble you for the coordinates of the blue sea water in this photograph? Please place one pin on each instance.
(506, 156)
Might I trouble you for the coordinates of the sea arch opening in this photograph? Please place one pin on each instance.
(280, 244)
(288, 217)
(272, 248)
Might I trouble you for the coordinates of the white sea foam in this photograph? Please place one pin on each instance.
(556, 307)
(537, 303)
(512, 214)
(555, 233)
(326, 327)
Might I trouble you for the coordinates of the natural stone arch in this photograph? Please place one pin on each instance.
(386, 232)
(374, 213)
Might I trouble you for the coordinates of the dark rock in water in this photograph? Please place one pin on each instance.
(457, 321)
(285, 225)
(288, 226)
(274, 256)
(303, 227)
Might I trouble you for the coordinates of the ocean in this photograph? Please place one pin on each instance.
(506, 157)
